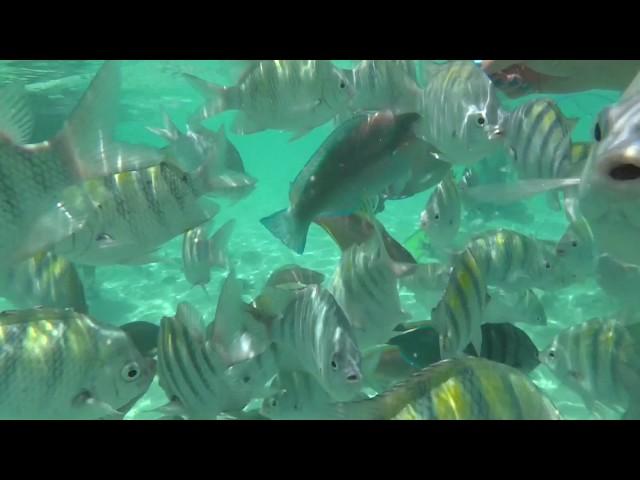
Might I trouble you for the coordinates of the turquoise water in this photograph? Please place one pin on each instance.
(148, 292)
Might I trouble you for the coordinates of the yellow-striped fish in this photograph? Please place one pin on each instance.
(59, 364)
(600, 360)
(458, 315)
(466, 388)
(461, 112)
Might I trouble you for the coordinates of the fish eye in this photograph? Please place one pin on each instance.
(334, 365)
(547, 265)
(551, 354)
(130, 372)
(597, 133)
(480, 121)
(343, 84)
(574, 243)
(246, 379)
(437, 216)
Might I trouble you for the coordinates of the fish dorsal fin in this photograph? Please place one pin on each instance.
(191, 319)
(16, 117)
(633, 88)
(144, 336)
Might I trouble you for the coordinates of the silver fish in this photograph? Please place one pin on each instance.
(576, 250)
(599, 360)
(314, 335)
(291, 95)
(461, 112)
(355, 163)
(366, 287)
(59, 364)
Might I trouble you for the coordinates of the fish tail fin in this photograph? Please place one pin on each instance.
(217, 98)
(287, 229)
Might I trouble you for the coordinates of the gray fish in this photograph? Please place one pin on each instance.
(576, 250)
(366, 287)
(442, 214)
(200, 254)
(59, 364)
(355, 163)
(291, 95)
(599, 359)
(44, 280)
(461, 112)
(314, 335)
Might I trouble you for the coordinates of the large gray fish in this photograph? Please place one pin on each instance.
(461, 112)
(191, 149)
(314, 335)
(466, 388)
(34, 177)
(355, 163)
(200, 254)
(501, 342)
(58, 364)
(384, 84)
(366, 287)
(139, 210)
(441, 217)
(291, 95)
(45, 280)
(599, 360)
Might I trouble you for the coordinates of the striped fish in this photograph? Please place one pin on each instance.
(291, 95)
(501, 342)
(300, 397)
(294, 275)
(384, 84)
(608, 194)
(139, 210)
(598, 359)
(441, 216)
(466, 388)
(198, 380)
(44, 280)
(313, 335)
(366, 287)
(511, 260)
(458, 315)
(200, 254)
(461, 112)
(59, 364)
(538, 138)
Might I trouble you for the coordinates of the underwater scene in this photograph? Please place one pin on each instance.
(320, 239)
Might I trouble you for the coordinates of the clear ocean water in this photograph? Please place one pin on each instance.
(148, 292)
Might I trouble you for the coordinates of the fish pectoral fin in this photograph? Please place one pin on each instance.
(16, 118)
